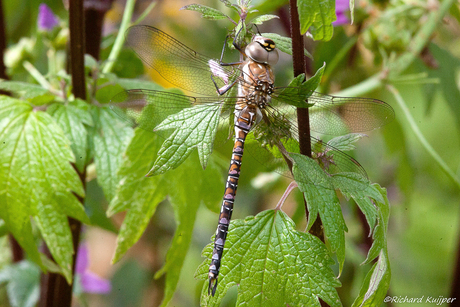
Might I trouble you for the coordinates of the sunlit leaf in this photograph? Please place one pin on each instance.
(272, 264)
(72, 118)
(37, 179)
(194, 128)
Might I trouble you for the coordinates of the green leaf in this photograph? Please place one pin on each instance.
(318, 16)
(345, 142)
(321, 198)
(194, 127)
(353, 185)
(262, 18)
(22, 89)
(37, 179)
(206, 11)
(272, 264)
(72, 118)
(110, 141)
(136, 193)
(306, 89)
(377, 281)
(141, 195)
(23, 283)
(284, 44)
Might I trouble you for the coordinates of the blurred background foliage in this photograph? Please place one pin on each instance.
(424, 223)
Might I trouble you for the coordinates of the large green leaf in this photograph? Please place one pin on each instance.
(272, 264)
(188, 186)
(37, 179)
(318, 16)
(110, 140)
(72, 118)
(318, 190)
(194, 128)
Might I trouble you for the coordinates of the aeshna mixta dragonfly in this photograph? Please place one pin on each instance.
(257, 107)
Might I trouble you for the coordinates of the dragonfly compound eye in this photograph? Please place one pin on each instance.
(262, 50)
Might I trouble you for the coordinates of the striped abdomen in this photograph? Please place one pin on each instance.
(244, 121)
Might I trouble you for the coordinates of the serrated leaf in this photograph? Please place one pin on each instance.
(72, 118)
(284, 44)
(206, 11)
(22, 89)
(194, 128)
(345, 142)
(376, 284)
(37, 179)
(318, 190)
(353, 185)
(141, 196)
(377, 281)
(262, 18)
(306, 89)
(272, 264)
(318, 16)
(23, 285)
(110, 141)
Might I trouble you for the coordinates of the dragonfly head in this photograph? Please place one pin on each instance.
(262, 50)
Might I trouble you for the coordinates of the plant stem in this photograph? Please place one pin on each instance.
(421, 138)
(120, 37)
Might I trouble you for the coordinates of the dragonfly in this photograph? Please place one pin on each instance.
(243, 90)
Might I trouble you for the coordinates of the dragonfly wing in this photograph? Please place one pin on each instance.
(148, 108)
(177, 63)
(333, 115)
(340, 115)
(279, 126)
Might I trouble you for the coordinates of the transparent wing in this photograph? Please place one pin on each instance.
(177, 63)
(333, 115)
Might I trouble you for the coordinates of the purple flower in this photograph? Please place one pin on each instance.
(90, 282)
(46, 19)
(341, 8)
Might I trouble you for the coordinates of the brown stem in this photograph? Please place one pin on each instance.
(55, 291)
(303, 118)
(94, 19)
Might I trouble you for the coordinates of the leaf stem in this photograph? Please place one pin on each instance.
(421, 138)
(288, 191)
(37, 75)
(120, 37)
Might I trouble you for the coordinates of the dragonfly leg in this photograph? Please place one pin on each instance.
(225, 88)
(221, 61)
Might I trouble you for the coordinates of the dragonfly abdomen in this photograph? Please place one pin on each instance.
(244, 122)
